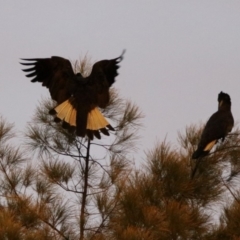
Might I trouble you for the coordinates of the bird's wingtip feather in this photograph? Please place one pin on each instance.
(121, 56)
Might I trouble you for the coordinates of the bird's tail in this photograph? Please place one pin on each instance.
(200, 152)
(65, 112)
(194, 170)
(96, 122)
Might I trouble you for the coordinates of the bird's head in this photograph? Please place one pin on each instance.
(223, 98)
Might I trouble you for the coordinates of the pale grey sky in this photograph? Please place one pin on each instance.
(180, 55)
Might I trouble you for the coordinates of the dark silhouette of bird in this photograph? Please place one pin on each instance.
(78, 98)
(217, 127)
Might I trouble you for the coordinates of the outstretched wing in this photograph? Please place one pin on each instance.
(102, 77)
(55, 73)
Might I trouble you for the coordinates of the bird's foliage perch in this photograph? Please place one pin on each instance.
(42, 197)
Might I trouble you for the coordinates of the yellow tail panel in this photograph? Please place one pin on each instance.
(96, 120)
(73, 117)
(66, 112)
(61, 109)
(209, 146)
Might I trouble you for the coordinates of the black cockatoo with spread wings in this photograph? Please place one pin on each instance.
(217, 127)
(78, 98)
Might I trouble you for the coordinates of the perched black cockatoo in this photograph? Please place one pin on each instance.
(77, 98)
(217, 127)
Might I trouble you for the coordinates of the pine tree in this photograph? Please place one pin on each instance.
(55, 185)
(162, 201)
(60, 186)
